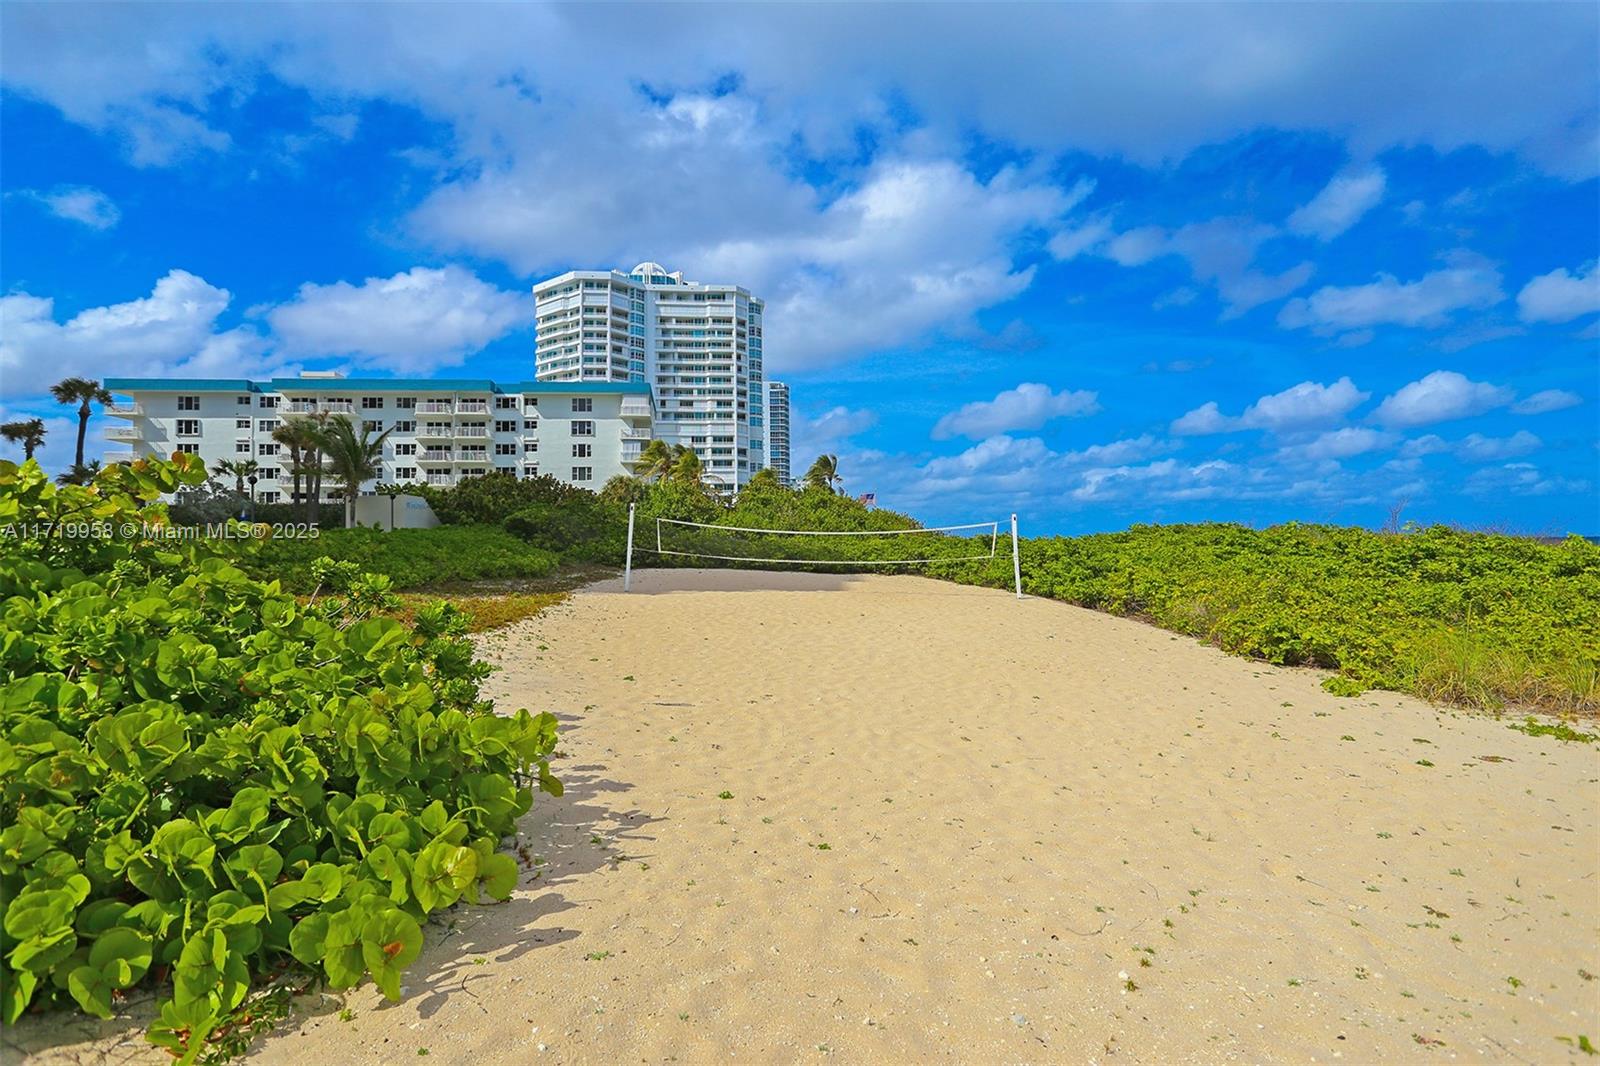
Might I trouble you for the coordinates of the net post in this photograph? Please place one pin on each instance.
(1016, 557)
(627, 566)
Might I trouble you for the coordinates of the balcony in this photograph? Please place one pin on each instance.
(441, 479)
(302, 407)
(112, 458)
(472, 407)
(435, 407)
(338, 407)
(636, 434)
(472, 432)
(632, 452)
(473, 455)
(436, 455)
(127, 433)
(434, 432)
(123, 410)
(633, 408)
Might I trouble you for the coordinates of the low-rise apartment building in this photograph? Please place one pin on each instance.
(441, 430)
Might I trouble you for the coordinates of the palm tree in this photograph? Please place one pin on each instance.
(656, 459)
(824, 473)
(299, 436)
(686, 466)
(353, 457)
(764, 480)
(83, 392)
(28, 432)
(238, 469)
(81, 474)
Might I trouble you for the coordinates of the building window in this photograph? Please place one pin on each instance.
(372, 403)
(269, 497)
(267, 473)
(582, 451)
(583, 473)
(405, 473)
(188, 403)
(188, 427)
(530, 401)
(243, 401)
(189, 449)
(505, 449)
(241, 447)
(531, 471)
(269, 402)
(267, 425)
(269, 449)
(405, 449)
(241, 423)
(582, 428)
(505, 403)
(505, 426)
(530, 446)
(406, 403)
(582, 404)
(371, 426)
(409, 426)
(509, 471)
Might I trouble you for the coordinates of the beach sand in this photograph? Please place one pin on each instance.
(890, 819)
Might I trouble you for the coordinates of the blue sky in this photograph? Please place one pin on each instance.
(1094, 264)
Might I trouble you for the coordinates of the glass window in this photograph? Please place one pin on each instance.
(582, 404)
(188, 403)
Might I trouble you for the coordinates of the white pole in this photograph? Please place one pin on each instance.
(1016, 557)
(627, 567)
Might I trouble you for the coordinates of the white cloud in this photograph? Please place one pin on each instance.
(1522, 79)
(78, 203)
(171, 331)
(1340, 204)
(1307, 404)
(1028, 406)
(411, 323)
(1417, 447)
(1546, 401)
(1337, 444)
(1440, 397)
(1073, 242)
(1521, 479)
(1480, 449)
(1466, 282)
(828, 430)
(1559, 296)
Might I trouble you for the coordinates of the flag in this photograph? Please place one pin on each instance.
(868, 498)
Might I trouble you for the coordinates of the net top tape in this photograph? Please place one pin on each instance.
(829, 532)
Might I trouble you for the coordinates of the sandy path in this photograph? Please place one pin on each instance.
(966, 828)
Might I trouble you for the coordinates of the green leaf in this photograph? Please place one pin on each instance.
(390, 941)
(92, 990)
(499, 874)
(122, 955)
(40, 912)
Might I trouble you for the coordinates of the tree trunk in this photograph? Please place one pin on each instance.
(83, 428)
(349, 510)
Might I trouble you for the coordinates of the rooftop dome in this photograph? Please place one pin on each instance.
(647, 269)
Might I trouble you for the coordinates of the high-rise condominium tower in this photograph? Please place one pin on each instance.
(697, 345)
(778, 429)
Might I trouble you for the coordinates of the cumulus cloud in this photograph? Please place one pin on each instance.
(1467, 282)
(1220, 252)
(1340, 204)
(827, 431)
(411, 323)
(1298, 407)
(1478, 448)
(1545, 401)
(78, 203)
(1442, 396)
(1559, 296)
(1337, 444)
(1522, 479)
(171, 331)
(1028, 406)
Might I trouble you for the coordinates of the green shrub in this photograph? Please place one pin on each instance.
(579, 528)
(202, 780)
(411, 558)
(492, 498)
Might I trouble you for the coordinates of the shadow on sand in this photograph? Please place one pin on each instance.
(554, 846)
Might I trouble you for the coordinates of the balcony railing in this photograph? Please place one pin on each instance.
(435, 432)
(441, 479)
(436, 455)
(471, 455)
(635, 409)
(113, 457)
(128, 433)
(435, 407)
(472, 407)
(124, 410)
(472, 432)
(636, 434)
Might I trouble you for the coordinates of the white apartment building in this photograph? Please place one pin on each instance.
(697, 346)
(442, 430)
(778, 456)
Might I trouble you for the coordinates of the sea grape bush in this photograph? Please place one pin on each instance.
(1471, 618)
(203, 779)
